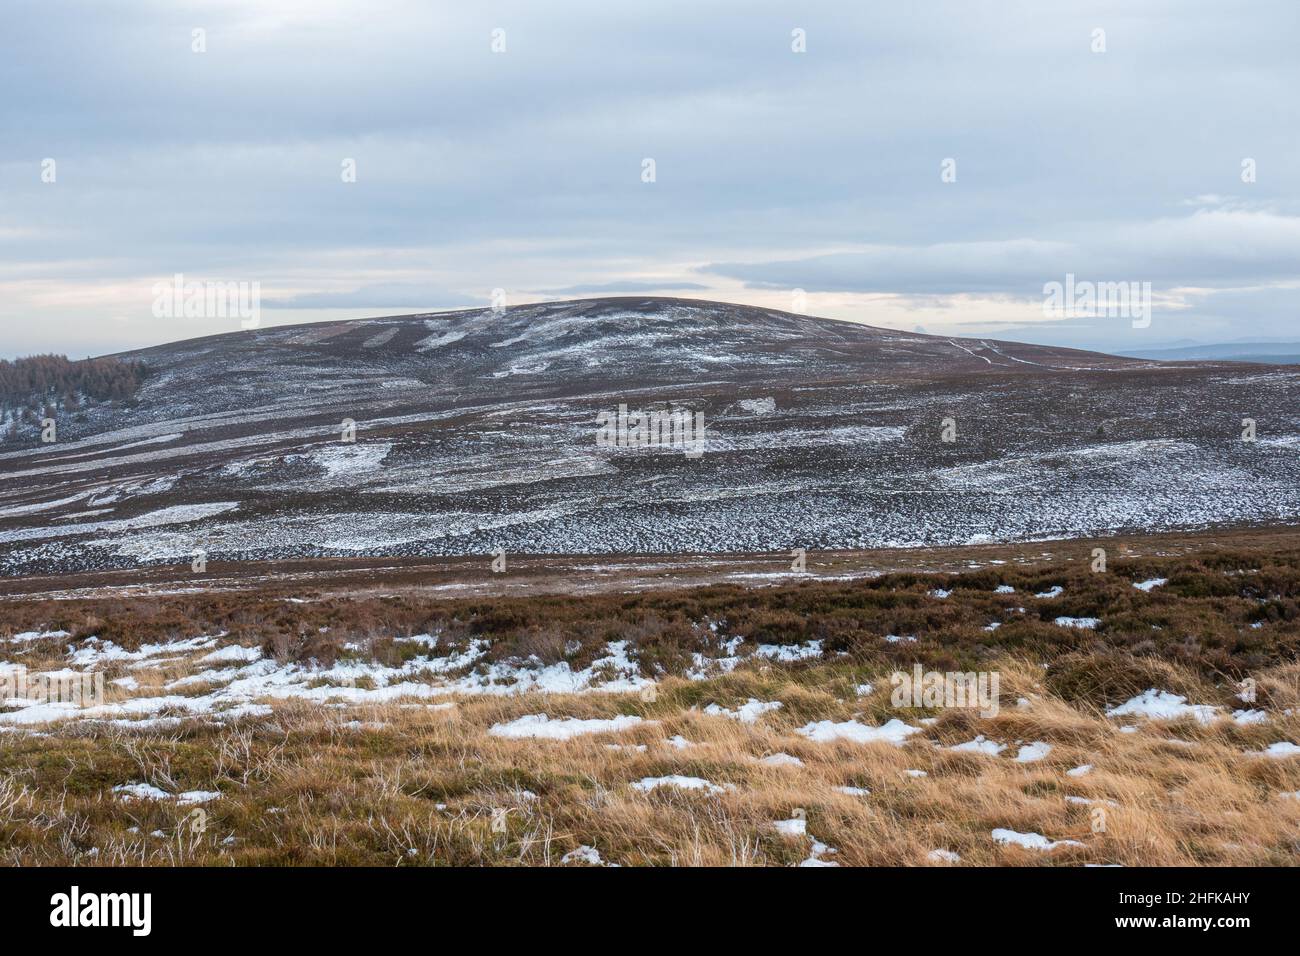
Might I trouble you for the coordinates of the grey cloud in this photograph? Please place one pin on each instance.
(614, 288)
(522, 170)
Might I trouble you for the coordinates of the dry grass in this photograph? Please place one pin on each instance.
(412, 785)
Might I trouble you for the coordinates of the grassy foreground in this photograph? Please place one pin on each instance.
(414, 782)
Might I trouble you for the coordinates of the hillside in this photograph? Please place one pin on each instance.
(477, 430)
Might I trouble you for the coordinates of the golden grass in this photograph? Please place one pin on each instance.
(407, 785)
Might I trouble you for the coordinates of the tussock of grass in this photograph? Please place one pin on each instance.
(411, 778)
(409, 784)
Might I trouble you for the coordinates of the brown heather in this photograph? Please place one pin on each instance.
(393, 784)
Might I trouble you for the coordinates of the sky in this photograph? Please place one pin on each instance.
(914, 164)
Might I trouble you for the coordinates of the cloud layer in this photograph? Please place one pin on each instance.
(774, 170)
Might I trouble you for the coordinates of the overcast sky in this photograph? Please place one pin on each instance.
(775, 170)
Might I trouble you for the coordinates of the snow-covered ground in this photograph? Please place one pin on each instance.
(817, 432)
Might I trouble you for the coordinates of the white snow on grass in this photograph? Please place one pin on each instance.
(980, 745)
(345, 681)
(543, 727)
(1081, 623)
(178, 514)
(794, 827)
(147, 791)
(816, 853)
(916, 773)
(1162, 705)
(1030, 841)
(429, 343)
(342, 459)
(94, 653)
(191, 797)
(1032, 752)
(1053, 592)
(1087, 802)
(943, 856)
(1080, 771)
(585, 855)
(786, 653)
(646, 784)
(781, 760)
(758, 406)
(1004, 589)
(1279, 750)
(233, 652)
(862, 690)
(1248, 717)
(678, 742)
(141, 791)
(940, 593)
(1150, 583)
(746, 713)
(900, 638)
(894, 732)
(28, 636)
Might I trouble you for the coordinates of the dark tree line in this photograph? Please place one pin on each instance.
(41, 378)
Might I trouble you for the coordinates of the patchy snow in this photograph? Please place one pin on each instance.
(781, 760)
(1004, 589)
(854, 791)
(94, 653)
(758, 406)
(1150, 583)
(785, 653)
(746, 713)
(543, 727)
(1032, 752)
(1163, 705)
(1054, 591)
(232, 652)
(1249, 717)
(1087, 802)
(347, 458)
(1030, 841)
(980, 745)
(1082, 623)
(894, 732)
(862, 690)
(940, 593)
(943, 856)
(794, 827)
(141, 791)
(815, 854)
(586, 855)
(437, 341)
(190, 797)
(29, 636)
(646, 784)
(1279, 750)
(678, 742)
(1080, 771)
(900, 638)
(258, 677)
